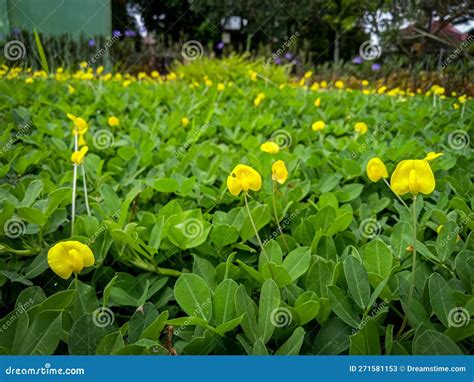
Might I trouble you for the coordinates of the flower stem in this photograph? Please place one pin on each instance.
(74, 181)
(85, 189)
(413, 270)
(276, 217)
(398, 196)
(253, 225)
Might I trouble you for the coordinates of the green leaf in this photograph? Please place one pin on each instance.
(224, 234)
(166, 185)
(401, 238)
(268, 305)
(229, 325)
(39, 48)
(293, 344)
(297, 262)
(245, 306)
(333, 338)
(319, 276)
(261, 216)
(341, 305)
(110, 344)
(259, 348)
(154, 330)
(85, 335)
(446, 240)
(43, 334)
(357, 281)
(441, 298)
(141, 319)
(431, 342)
(277, 273)
(223, 302)
(377, 258)
(193, 296)
(366, 341)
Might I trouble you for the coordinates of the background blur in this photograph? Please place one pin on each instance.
(360, 38)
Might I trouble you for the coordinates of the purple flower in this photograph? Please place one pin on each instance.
(130, 33)
(357, 60)
(278, 61)
(288, 56)
(220, 45)
(91, 42)
(116, 33)
(376, 67)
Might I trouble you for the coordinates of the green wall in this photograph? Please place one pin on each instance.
(55, 17)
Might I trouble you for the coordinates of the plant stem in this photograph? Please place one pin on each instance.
(85, 189)
(413, 270)
(398, 196)
(74, 181)
(168, 272)
(253, 225)
(276, 216)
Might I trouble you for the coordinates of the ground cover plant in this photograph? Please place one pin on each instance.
(240, 212)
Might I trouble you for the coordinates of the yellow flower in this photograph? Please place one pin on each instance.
(77, 157)
(339, 84)
(243, 178)
(432, 155)
(462, 99)
(81, 142)
(29, 80)
(185, 121)
(365, 83)
(456, 106)
(279, 172)
(100, 70)
(71, 89)
(308, 74)
(270, 147)
(376, 169)
(318, 125)
(314, 87)
(253, 75)
(323, 84)
(80, 125)
(126, 83)
(67, 257)
(208, 83)
(155, 74)
(83, 64)
(360, 127)
(413, 176)
(220, 87)
(317, 102)
(438, 90)
(258, 100)
(113, 121)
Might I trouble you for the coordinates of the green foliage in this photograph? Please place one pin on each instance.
(179, 268)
